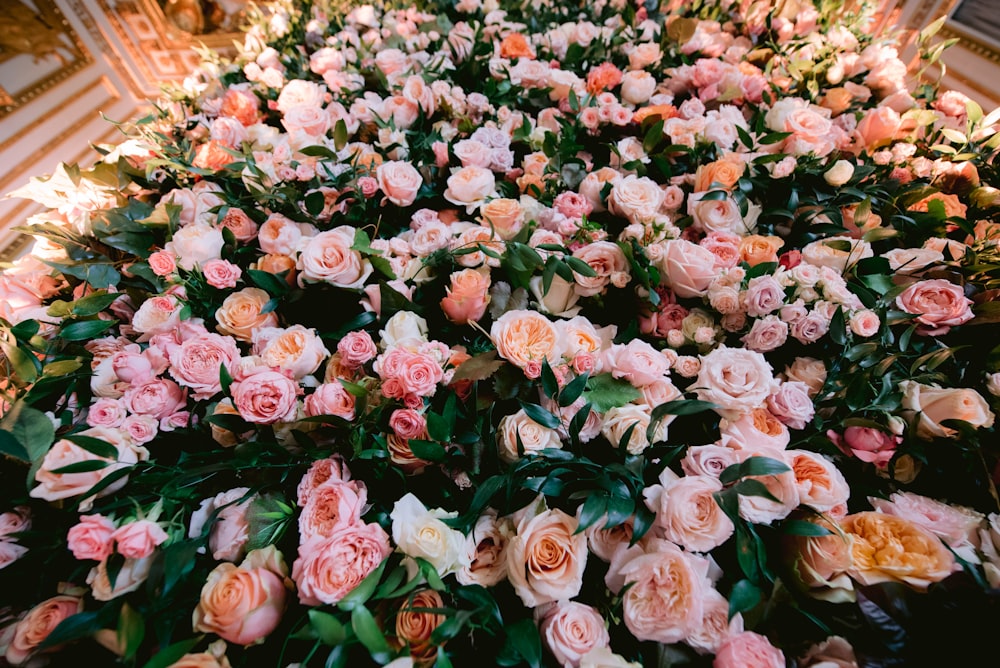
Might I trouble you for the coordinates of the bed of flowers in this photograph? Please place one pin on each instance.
(537, 333)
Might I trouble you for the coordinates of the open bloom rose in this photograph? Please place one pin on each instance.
(686, 268)
(241, 313)
(892, 549)
(525, 336)
(736, 380)
(296, 349)
(328, 258)
(570, 630)
(264, 396)
(240, 605)
(197, 361)
(400, 181)
(420, 532)
(819, 564)
(938, 304)
(330, 507)
(91, 537)
(690, 516)
(486, 546)
(546, 559)
(933, 405)
(533, 436)
(414, 625)
(328, 569)
(37, 624)
(956, 525)
(470, 186)
(748, 650)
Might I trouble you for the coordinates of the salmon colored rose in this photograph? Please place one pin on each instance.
(515, 45)
(547, 557)
(938, 304)
(240, 314)
(36, 626)
(240, 605)
(415, 624)
(328, 569)
(756, 249)
(719, 174)
(892, 549)
(504, 216)
(265, 396)
(467, 297)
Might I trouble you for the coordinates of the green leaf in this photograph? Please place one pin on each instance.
(754, 488)
(550, 386)
(24, 364)
(93, 304)
(340, 134)
(371, 636)
(74, 627)
(573, 390)
(428, 450)
(131, 630)
(804, 528)
(268, 517)
(273, 284)
(605, 392)
(594, 508)
(95, 446)
(744, 597)
(83, 467)
(540, 415)
(61, 368)
(358, 596)
(84, 330)
(753, 466)
(523, 638)
(328, 628)
(12, 448)
(171, 654)
(31, 428)
(225, 379)
(439, 428)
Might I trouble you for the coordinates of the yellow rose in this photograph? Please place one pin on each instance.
(892, 549)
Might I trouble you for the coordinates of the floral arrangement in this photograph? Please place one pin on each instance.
(535, 333)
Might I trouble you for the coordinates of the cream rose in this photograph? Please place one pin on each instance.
(734, 379)
(470, 186)
(931, 405)
(419, 532)
(522, 337)
(328, 258)
(400, 181)
(532, 436)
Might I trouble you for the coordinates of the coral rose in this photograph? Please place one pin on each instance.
(522, 337)
(241, 605)
(414, 625)
(241, 314)
(938, 304)
(37, 624)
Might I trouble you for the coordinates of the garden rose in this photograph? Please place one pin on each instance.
(240, 605)
(690, 516)
(230, 530)
(241, 314)
(938, 304)
(887, 548)
(295, 349)
(470, 186)
(525, 336)
(570, 630)
(734, 379)
(532, 436)
(37, 624)
(264, 396)
(748, 650)
(197, 361)
(330, 507)
(931, 405)
(546, 558)
(486, 547)
(330, 568)
(328, 258)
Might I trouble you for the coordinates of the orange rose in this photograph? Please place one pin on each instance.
(515, 45)
(467, 296)
(890, 549)
(504, 216)
(952, 205)
(664, 111)
(275, 263)
(837, 100)
(212, 155)
(755, 249)
(414, 625)
(240, 314)
(241, 605)
(724, 172)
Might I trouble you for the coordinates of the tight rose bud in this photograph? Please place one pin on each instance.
(839, 173)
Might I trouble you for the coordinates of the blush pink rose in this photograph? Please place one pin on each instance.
(330, 399)
(820, 483)
(37, 624)
(240, 605)
(328, 258)
(332, 469)
(572, 629)
(196, 363)
(230, 528)
(938, 304)
(138, 539)
(687, 268)
(106, 412)
(400, 181)
(221, 273)
(637, 362)
(546, 559)
(264, 396)
(791, 404)
(157, 398)
(690, 516)
(736, 380)
(162, 263)
(330, 507)
(91, 538)
(356, 348)
(328, 569)
(748, 650)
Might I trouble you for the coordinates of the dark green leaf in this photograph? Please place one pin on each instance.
(171, 654)
(131, 630)
(371, 636)
(428, 450)
(540, 415)
(573, 389)
(84, 330)
(83, 467)
(93, 304)
(753, 466)
(550, 386)
(95, 446)
(744, 597)
(804, 528)
(328, 628)
(594, 508)
(523, 638)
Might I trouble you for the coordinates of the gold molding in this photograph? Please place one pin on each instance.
(970, 42)
(10, 101)
(82, 13)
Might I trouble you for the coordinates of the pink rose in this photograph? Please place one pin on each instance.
(157, 398)
(296, 349)
(328, 258)
(321, 471)
(37, 624)
(756, 430)
(790, 402)
(690, 516)
(400, 181)
(466, 298)
(408, 423)
(330, 399)
(637, 362)
(221, 273)
(572, 629)
(240, 224)
(708, 460)
(279, 235)
(138, 539)
(734, 379)
(766, 334)
(356, 348)
(141, 428)
(157, 315)
(240, 605)
(196, 363)
(470, 186)
(162, 263)
(938, 304)
(91, 538)
(748, 650)
(330, 568)
(867, 444)
(546, 559)
(106, 412)
(879, 126)
(230, 530)
(956, 525)
(686, 268)
(820, 483)
(264, 396)
(608, 262)
(331, 507)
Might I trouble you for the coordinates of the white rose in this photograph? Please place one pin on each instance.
(560, 300)
(419, 532)
(637, 87)
(404, 328)
(839, 174)
(196, 244)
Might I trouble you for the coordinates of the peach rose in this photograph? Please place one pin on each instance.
(686, 268)
(665, 602)
(781, 486)
(295, 349)
(504, 216)
(879, 126)
(956, 525)
(570, 630)
(720, 174)
(240, 314)
(690, 516)
(332, 469)
(279, 235)
(546, 559)
(241, 605)
(330, 399)
(637, 87)
(522, 337)
(214, 657)
(37, 624)
(892, 549)
(328, 569)
(819, 564)
(821, 485)
(138, 539)
(470, 186)
(938, 304)
(400, 181)
(328, 258)
(467, 297)
(157, 315)
(414, 625)
(933, 405)
(839, 253)
(609, 263)
(756, 249)
(54, 486)
(533, 437)
(131, 576)
(264, 396)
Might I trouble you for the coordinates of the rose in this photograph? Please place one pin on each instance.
(504, 216)
(414, 625)
(138, 539)
(240, 224)
(572, 629)
(241, 605)
(328, 569)
(839, 253)
(321, 471)
(37, 624)
(330, 399)
(157, 315)
(867, 444)
(298, 350)
(819, 564)
(91, 538)
(215, 657)
(532, 436)
(892, 549)
(525, 336)
(764, 294)
(130, 577)
(330, 507)
(782, 487)
(400, 181)
(756, 249)
(820, 483)
(241, 314)
(716, 627)
(356, 348)
(734, 379)
(839, 173)
(938, 304)
(221, 274)
(756, 430)
(469, 186)
(546, 558)
(956, 525)
(686, 268)
(609, 264)
(665, 602)
(619, 420)
(808, 370)
(637, 362)
(419, 532)
(404, 328)
(54, 486)
(791, 404)
(834, 652)
(932, 405)
(748, 650)
(721, 215)
(263, 396)
(486, 547)
(279, 235)
(197, 361)
(603, 657)
(559, 300)
(194, 245)
(879, 126)
(230, 528)
(690, 516)
(636, 198)
(157, 398)
(637, 87)
(710, 460)
(466, 298)
(328, 258)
